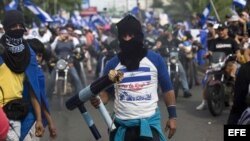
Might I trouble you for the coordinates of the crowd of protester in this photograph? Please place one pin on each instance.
(98, 45)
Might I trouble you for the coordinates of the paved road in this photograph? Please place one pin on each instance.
(192, 125)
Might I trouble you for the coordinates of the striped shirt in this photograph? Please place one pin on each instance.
(136, 95)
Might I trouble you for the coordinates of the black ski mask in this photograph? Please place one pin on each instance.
(12, 18)
(16, 54)
(132, 51)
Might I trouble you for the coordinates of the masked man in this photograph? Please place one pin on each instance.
(20, 91)
(136, 112)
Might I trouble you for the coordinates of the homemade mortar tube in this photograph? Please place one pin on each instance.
(88, 119)
(94, 88)
(106, 116)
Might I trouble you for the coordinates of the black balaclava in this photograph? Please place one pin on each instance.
(132, 51)
(16, 55)
(11, 18)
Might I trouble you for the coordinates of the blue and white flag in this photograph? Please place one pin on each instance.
(12, 5)
(135, 11)
(150, 17)
(201, 37)
(204, 16)
(240, 3)
(42, 15)
(61, 20)
(76, 19)
(212, 20)
(98, 21)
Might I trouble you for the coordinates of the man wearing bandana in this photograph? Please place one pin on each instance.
(136, 112)
(19, 78)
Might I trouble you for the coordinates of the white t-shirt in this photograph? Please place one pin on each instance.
(136, 95)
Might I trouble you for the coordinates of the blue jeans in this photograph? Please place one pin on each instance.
(183, 77)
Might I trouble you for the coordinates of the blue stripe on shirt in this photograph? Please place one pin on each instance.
(136, 79)
(143, 69)
(158, 62)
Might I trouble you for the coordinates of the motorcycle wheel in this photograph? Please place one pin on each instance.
(60, 93)
(215, 99)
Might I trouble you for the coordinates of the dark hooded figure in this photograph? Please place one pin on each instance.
(16, 55)
(136, 112)
(132, 51)
(20, 91)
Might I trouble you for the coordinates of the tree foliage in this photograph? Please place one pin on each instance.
(157, 4)
(52, 6)
(183, 9)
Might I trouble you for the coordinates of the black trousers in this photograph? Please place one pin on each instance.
(133, 134)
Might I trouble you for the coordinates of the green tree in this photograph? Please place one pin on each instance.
(52, 6)
(183, 9)
(157, 4)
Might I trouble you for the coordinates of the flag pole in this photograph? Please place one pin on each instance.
(55, 7)
(215, 11)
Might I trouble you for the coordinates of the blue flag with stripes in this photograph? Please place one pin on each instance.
(200, 36)
(12, 5)
(98, 21)
(78, 21)
(240, 3)
(59, 19)
(205, 15)
(41, 14)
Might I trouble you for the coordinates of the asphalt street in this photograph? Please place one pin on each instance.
(192, 125)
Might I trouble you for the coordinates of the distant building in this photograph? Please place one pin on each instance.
(120, 5)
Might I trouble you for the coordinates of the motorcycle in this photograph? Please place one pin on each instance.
(62, 86)
(61, 83)
(173, 69)
(219, 86)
